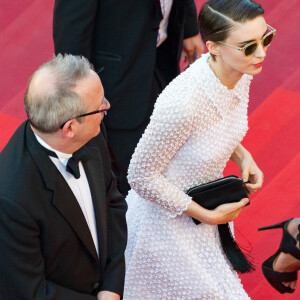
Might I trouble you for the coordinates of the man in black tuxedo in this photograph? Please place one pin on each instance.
(62, 219)
(138, 45)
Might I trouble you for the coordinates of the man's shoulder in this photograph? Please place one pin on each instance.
(15, 163)
(14, 147)
(15, 142)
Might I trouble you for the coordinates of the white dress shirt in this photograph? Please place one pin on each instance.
(80, 188)
(166, 6)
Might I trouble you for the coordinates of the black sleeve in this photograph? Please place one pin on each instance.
(21, 261)
(191, 24)
(73, 26)
(113, 279)
(114, 272)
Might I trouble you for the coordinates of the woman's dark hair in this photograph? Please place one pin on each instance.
(217, 17)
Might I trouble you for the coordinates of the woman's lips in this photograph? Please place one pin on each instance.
(258, 65)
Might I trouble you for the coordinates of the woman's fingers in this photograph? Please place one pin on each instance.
(243, 202)
(230, 211)
(256, 181)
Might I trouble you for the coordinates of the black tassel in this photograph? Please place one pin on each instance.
(234, 254)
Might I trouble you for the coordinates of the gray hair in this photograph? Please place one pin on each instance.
(55, 101)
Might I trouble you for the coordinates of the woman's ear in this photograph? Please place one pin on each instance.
(213, 48)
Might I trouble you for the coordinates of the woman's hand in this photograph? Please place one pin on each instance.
(251, 172)
(220, 215)
(227, 212)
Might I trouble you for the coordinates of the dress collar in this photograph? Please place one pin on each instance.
(220, 95)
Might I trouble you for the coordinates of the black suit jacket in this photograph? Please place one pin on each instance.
(46, 248)
(119, 36)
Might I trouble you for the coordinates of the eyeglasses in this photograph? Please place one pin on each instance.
(90, 113)
(250, 48)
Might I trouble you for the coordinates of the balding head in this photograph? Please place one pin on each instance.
(42, 83)
(50, 98)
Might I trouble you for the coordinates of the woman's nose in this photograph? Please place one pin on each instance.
(260, 51)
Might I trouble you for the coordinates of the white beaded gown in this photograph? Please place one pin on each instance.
(196, 125)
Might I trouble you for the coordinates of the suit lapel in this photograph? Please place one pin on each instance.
(66, 203)
(63, 198)
(94, 172)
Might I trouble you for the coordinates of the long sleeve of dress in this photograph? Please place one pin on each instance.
(169, 128)
(187, 129)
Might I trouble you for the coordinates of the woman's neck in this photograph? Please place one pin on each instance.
(227, 76)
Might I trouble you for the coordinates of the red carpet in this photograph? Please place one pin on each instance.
(273, 137)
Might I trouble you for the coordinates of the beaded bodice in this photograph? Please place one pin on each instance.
(196, 125)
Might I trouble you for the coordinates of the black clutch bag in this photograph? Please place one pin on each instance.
(224, 190)
(212, 194)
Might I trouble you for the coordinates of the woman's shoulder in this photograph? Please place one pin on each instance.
(183, 89)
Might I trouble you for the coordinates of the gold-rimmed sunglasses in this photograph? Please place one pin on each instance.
(90, 113)
(250, 48)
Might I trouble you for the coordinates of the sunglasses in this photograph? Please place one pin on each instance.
(90, 113)
(250, 48)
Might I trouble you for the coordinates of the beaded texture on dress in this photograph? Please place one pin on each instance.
(195, 126)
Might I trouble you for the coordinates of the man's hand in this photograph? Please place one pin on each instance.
(106, 295)
(192, 49)
(251, 172)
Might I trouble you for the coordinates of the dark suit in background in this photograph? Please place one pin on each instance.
(46, 248)
(120, 37)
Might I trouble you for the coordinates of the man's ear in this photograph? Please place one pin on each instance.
(213, 48)
(68, 130)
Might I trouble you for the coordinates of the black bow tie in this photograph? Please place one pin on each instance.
(81, 154)
(72, 167)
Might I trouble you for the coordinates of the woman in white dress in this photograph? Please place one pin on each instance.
(197, 125)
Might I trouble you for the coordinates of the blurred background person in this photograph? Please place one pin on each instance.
(136, 45)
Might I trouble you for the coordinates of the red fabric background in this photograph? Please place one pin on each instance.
(273, 137)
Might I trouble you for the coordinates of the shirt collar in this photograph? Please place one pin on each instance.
(63, 157)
